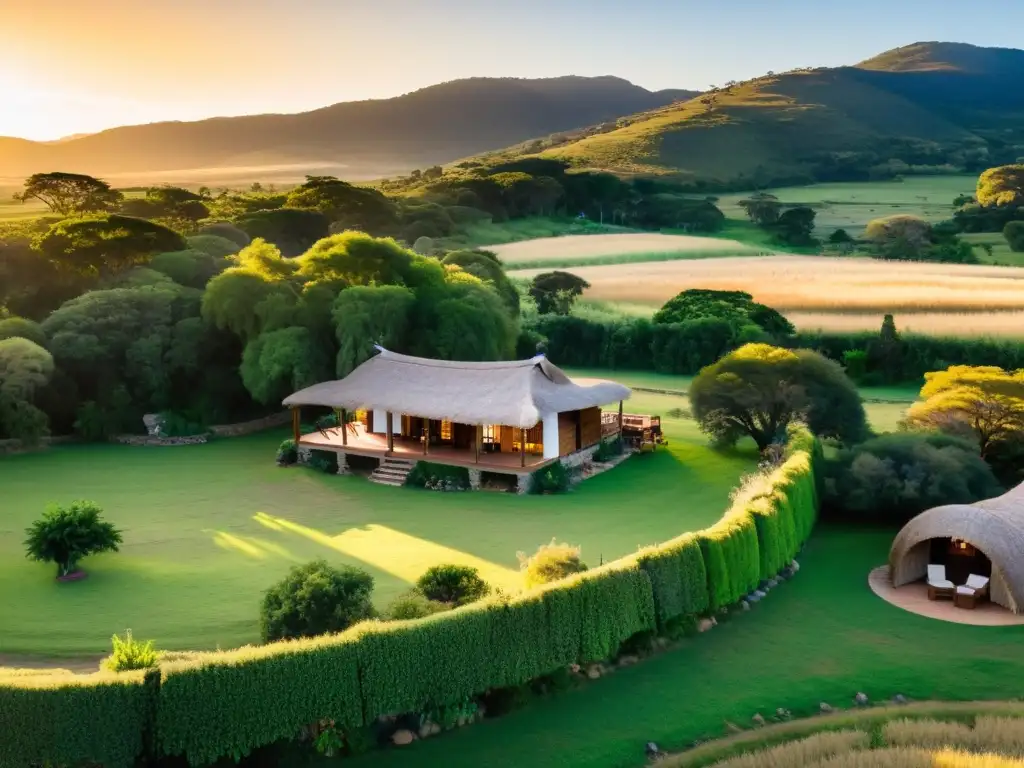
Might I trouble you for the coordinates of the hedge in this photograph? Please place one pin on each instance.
(209, 706)
(65, 719)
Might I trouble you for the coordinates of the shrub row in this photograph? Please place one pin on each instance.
(208, 706)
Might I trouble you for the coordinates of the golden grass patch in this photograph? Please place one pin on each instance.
(577, 247)
(802, 752)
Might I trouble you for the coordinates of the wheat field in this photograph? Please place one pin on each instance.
(833, 293)
(632, 247)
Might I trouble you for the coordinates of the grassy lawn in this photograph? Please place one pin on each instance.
(822, 637)
(1001, 253)
(208, 528)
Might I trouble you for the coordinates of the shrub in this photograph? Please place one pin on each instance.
(64, 535)
(228, 232)
(455, 584)
(1014, 234)
(554, 478)
(213, 245)
(129, 654)
(324, 461)
(314, 599)
(413, 605)
(438, 477)
(609, 449)
(20, 328)
(177, 424)
(550, 562)
(287, 452)
(894, 477)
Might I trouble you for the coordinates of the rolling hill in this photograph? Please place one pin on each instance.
(924, 105)
(366, 138)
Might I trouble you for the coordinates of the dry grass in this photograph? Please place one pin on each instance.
(802, 752)
(627, 247)
(1004, 735)
(902, 757)
(833, 293)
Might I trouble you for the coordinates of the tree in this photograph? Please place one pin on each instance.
(453, 584)
(19, 327)
(65, 535)
(901, 236)
(556, 292)
(355, 258)
(840, 237)
(985, 403)
(758, 390)
(368, 315)
(736, 307)
(464, 320)
(762, 208)
(316, 599)
(25, 367)
(228, 231)
(1014, 234)
(794, 226)
(70, 193)
(293, 230)
(105, 245)
(277, 363)
(362, 208)
(1002, 186)
(486, 266)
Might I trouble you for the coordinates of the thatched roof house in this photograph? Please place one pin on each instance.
(517, 393)
(995, 527)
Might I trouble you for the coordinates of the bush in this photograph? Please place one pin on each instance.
(213, 246)
(549, 563)
(455, 584)
(129, 654)
(228, 232)
(177, 424)
(19, 327)
(1014, 234)
(413, 605)
(554, 478)
(608, 450)
(324, 461)
(64, 535)
(892, 478)
(287, 453)
(438, 477)
(315, 599)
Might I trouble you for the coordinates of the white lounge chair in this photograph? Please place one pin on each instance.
(938, 584)
(970, 594)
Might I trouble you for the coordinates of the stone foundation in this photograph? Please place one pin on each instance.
(522, 484)
(579, 458)
(475, 478)
(343, 464)
(303, 454)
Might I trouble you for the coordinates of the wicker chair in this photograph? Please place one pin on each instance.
(973, 592)
(938, 585)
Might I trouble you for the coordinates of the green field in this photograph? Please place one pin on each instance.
(851, 205)
(821, 637)
(1001, 253)
(208, 528)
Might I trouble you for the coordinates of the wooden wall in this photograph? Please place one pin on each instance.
(590, 426)
(567, 432)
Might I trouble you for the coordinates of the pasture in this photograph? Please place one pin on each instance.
(851, 205)
(208, 528)
(832, 293)
(572, 251)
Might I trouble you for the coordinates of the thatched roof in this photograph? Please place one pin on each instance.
(516, 393)
(994, 526)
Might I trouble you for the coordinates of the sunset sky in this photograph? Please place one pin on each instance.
(75, 66)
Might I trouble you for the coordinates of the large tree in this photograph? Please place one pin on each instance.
(355, 258)
(985, 403)
(105, 245)
(762, 208)
(556, 292)
(276, 363)
(487, 266)
(293, 230)
(70, 193)
(1002, 186)
(1014, 234)
(736, 307)
(25, 367)
(758, 390)
(368, 315)
(350, 206)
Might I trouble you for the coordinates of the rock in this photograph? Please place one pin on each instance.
(661, 642)
(825, 708)
(773, 583)
(714, 622)
(758, 719)
(861, 699)
(704, 625)
(795, 566)
(732, 727)
(753, 597)
(783, 714)
(761, 594)
(628, 661)
(154, 424)
(402, 737)
(745, 605)
(651, 749)
(594, 671)
(899, 698)
(424, 731)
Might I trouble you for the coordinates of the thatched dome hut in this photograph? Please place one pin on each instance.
(994, 528)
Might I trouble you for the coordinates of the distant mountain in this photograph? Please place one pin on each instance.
(927, 104)
(426, 127)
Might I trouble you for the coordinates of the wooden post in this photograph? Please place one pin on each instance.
(620, 419)
(344, 427)
(295, 425)
(522, 447)
(390, 433)
(478, 436)
(426, 436)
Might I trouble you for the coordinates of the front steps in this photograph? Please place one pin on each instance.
(392, 471)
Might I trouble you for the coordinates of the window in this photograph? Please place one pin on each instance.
(446, 431)
(491, 434)
(362, 417)
(534, 440)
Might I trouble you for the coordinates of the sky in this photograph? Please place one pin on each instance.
(79, 66)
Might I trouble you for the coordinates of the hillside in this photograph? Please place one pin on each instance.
(929, 105)
(367, 138)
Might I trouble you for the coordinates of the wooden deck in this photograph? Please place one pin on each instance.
(362, 443)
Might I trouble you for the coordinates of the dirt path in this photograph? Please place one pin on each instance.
(79, 664)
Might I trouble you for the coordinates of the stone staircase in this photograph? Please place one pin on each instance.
(392, 471)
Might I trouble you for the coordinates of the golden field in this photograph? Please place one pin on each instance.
(832, 293)
(632, 247)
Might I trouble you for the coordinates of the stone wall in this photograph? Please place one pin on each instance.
(579, 458)
(256, 425)
(153, 440)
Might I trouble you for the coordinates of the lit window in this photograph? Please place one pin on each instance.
(446, 430)
(490, 434)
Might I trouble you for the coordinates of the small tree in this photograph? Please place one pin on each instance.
(1014, 234)
(455, 584)
(68, 193)
(65, 535)
(762, 208)
(550, 562)
(315, 599)
(555, 292)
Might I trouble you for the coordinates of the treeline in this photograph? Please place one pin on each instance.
(683, 348)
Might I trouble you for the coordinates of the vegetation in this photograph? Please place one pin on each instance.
(556, 291)
(65, 535)
(759, 390)
(130, 654)
(554, 478)
(413, 605)
(890, 479)
(550, 563)
(452, 584)
(908, 238)
(315, 599)
(70, 193)
(438, 477)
